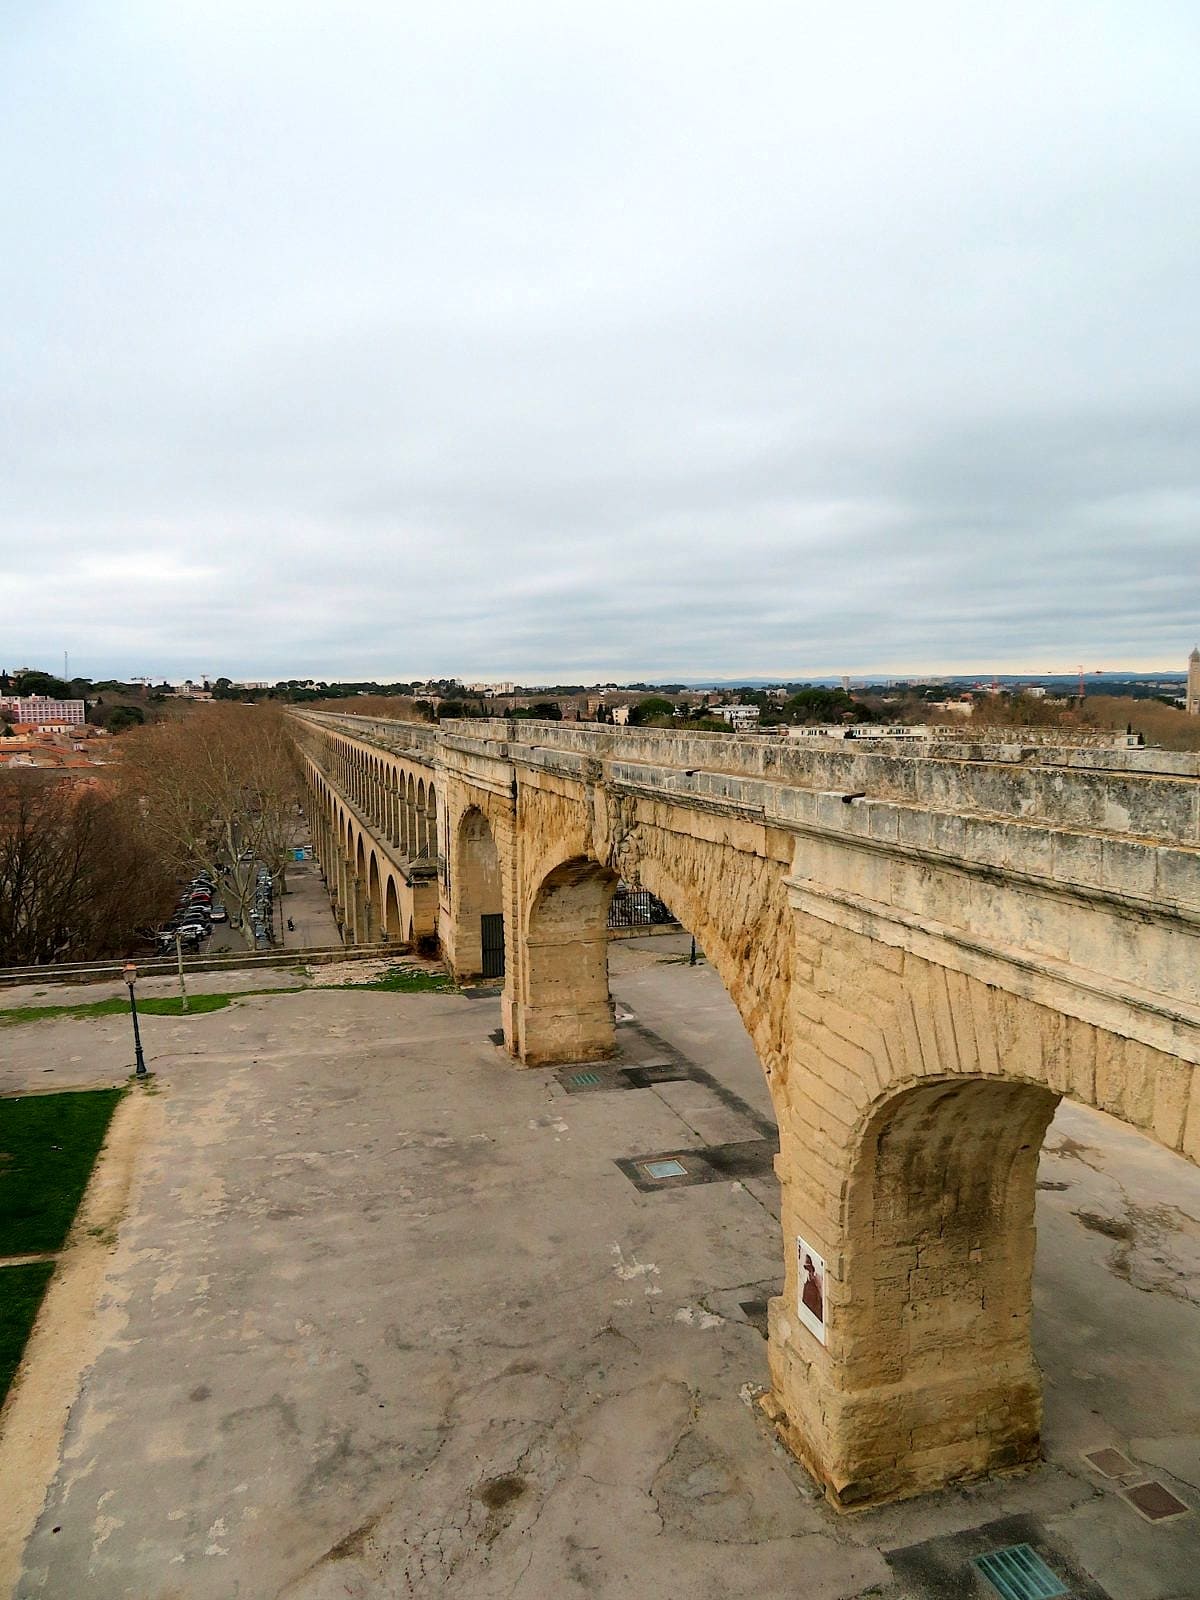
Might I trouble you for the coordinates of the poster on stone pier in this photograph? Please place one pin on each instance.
(812, 1288)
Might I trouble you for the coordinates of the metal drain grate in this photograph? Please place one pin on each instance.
(665, 1169)
(585, 1080)
(1019, 1573)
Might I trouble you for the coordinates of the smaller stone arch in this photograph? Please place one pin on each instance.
(431, 820)
(374, 888)
(393, 805)
(478, 902)
(392, 922)
(422, 821)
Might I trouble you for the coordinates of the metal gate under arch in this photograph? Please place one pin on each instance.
(491, 938)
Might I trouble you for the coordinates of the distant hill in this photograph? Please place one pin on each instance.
(1067, 681)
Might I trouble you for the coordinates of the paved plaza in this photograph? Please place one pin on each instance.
(388, 1316)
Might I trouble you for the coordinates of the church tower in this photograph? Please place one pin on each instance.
(1193, 684)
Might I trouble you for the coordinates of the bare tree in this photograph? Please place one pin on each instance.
(78, 872)
(219, 790)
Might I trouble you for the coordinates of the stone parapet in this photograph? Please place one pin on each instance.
(1151, 794)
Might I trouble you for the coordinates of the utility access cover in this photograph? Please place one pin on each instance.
(665, 1169)
(1019, 1573)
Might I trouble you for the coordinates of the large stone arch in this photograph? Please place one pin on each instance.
(738, 911)
(911, 1127)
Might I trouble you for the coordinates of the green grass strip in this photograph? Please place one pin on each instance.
(400, 980)
(167, 1006)
(403, 980)
(48, 1147)
(21, 1291)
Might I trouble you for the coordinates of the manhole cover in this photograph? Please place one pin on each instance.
(1110, 1462)
(585, 1080)
(1155, 1501)
(665, 1169)
(1019, 1573)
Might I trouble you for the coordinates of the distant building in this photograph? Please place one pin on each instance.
(1192, 704)
(955, 708)
(42, 712)
(739, 717)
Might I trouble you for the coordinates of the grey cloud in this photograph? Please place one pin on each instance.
(639, 342)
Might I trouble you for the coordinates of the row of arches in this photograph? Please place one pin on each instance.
(371, 898)
(399, 803)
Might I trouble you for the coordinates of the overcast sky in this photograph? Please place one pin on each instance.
(564, 341)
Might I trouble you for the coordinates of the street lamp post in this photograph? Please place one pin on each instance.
(130, 979)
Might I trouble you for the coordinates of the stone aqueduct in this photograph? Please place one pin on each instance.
(928, 951)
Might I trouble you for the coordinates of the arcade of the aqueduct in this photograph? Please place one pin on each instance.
(928, 951)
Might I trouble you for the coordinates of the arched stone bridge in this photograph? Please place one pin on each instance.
(927, 950)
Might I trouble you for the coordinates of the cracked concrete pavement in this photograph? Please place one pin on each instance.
(389, 1321)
